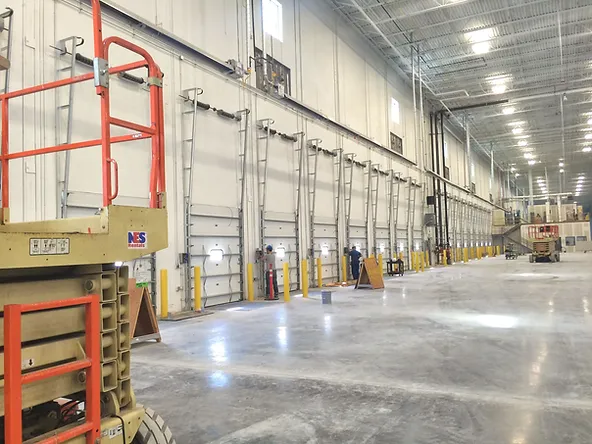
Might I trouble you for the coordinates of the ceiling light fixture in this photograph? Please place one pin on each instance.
(561, 164)
(481, 47)
(528, 155)
(481, 35)
(510, 110)
(587, 149)
(590, 122)
(588, 136)
(531, 162)
(562, 170)
(519, 131)
(522, 143)
(498, 89)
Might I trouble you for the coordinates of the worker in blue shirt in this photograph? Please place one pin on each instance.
(354, 260)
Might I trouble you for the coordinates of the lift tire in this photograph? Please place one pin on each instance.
(153, 430)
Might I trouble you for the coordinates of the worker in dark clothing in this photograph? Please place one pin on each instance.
(354, 260)
(270, 260)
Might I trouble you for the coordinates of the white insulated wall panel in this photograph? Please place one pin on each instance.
(352, 89)
(208, 24)
(377, 106)
(317, 55)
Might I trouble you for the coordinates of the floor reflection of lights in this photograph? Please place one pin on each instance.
(327, 323)
(497, 321)
(218, 379)
(282, 336)
(218, 351)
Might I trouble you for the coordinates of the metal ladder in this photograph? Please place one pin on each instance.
(312, 156)
(263, 142)
(337, 192)
(395, 193)
(6, 50)
(473, 225)
(300, 190)
(64, 135)
(374, 191)
(411, 217)
(453, 223)
(262, 156)
(191, 98)
(348, 172)
(424, 207)
(463, 223)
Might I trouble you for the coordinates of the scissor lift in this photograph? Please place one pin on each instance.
(65, 326)
(544, 239)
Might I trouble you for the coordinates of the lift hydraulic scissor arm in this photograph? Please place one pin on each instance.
(66, 332)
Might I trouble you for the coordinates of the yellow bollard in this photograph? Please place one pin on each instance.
(427, 259)
(401, 256)
(498, 250)
(319, 273)
(286, 282)
(344, 267)
(197, 289)
(304, 268)
(380, 264)
(444, 258)
(416, 261)
(466, 255)
(250, 283)
(164, 293)
(422, 261)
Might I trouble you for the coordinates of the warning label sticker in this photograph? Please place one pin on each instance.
(49, 247)
(113, 432)
(27, 364)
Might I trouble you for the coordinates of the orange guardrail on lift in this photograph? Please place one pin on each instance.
(110, 173)
(14, 379)
(541, 232)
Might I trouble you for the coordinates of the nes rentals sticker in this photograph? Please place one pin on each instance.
(137, 240)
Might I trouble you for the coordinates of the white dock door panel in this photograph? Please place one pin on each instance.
(280, 227)
(215, 229)
(382, 231)
(215, 240)
(358, 230)
(324, 224)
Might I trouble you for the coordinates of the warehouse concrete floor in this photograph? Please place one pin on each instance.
(491, 352)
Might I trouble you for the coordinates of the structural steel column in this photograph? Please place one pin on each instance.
(530, 189)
